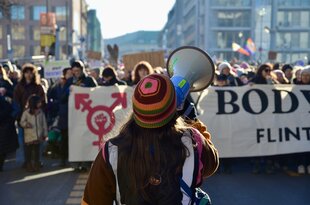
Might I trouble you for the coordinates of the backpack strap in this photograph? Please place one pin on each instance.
(189, 169)
(110, 155)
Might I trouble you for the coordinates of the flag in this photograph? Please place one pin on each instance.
(250, 46)
(237, 48)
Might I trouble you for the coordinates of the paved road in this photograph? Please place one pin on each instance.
(59, 186)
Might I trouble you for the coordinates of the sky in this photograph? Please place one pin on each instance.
(118, 17)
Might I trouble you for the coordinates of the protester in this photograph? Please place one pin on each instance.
(281, 78)
(81, 79)
(35, 130)
(95, 73)
(8, 135)
(305, 76)
(297, 75)
(226, 69)
(28, 85)
(110, 78)
(221, 80)
(288, 71)
(153, 149)
(63, 110)
(263, 75)
(141, 70)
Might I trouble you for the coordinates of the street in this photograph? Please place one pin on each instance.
(58, 186)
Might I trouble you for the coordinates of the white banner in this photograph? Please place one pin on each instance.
(96, 114)
(258, 120)
(243, 121)
(53, 69)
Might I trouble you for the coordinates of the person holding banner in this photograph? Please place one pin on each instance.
(156, 158)
(81, 79)
(305, 76)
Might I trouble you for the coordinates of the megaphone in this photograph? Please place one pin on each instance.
(191, 70)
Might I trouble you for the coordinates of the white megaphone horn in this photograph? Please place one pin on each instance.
(191, 70)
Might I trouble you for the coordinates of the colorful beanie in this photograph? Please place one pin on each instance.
(154, 101)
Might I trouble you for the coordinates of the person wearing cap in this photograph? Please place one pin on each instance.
(153, 153)
(226, 69)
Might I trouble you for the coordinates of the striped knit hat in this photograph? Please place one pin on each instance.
(154, 101)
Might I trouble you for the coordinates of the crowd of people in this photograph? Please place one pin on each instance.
(34, 111)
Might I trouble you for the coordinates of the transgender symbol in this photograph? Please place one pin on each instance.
(100, 119)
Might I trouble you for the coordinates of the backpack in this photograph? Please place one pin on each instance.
(191, 173)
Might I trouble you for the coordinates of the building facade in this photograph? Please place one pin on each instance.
(282, 26)
(20, 27)
(94, 36)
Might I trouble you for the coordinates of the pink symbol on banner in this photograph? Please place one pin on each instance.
(100, 119)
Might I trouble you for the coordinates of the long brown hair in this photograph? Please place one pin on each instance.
(30, 67)
(141, 65)
(145, 153)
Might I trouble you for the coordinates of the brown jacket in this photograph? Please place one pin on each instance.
(23, 92)
(101, 186)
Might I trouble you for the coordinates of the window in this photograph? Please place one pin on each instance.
(234, 19)
(63, 35)
(36, 11)
(35, 50)
(293, 40)
(60, 13)
(36, 33)
(224, 39)
(18, 32)
(17, 12)
(1, 14)
(294, 3)
(231, 3)
(304, 40)
(19, 51)
(293, 19)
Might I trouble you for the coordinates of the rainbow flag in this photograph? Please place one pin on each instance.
(250, 46)
(237, 48)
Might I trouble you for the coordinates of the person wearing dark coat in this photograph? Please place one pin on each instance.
(110, 77)
(81, 79)
(8, 135)
(28, 85)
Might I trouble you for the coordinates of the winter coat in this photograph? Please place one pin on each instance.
(8, 135)
(23, 91)
(38, 126)
(8, 86)
(102, 186)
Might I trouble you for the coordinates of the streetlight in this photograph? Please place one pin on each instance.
(261, 13)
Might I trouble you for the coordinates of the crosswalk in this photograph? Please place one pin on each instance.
(76, 194)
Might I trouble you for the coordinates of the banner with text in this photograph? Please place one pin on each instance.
(257, 120)
(243, 121)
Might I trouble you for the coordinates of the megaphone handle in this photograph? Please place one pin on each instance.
(182, 87)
